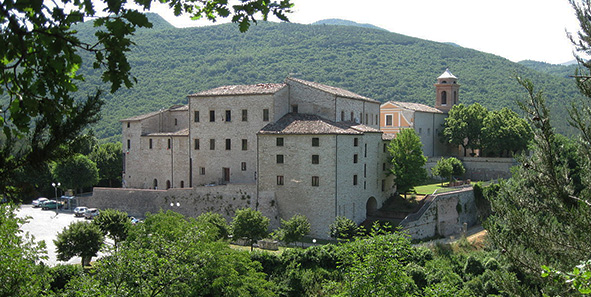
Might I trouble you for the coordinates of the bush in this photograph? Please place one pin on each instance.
(473, 266)
(62, 274)
(271, 263)
(343, 228)
(491, 264)
(421, 256)
(418, 275)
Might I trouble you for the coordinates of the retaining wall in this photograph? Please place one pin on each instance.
(478, 168)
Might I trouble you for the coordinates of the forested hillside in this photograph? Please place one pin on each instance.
(170, 63)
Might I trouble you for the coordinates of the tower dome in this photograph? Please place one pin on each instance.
(446, 91)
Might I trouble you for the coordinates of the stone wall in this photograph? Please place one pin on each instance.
(223, 199)
(443, 215)
(478, 168)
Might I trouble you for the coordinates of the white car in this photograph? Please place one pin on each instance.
(39, 201)
(80, 210)
(90, 213)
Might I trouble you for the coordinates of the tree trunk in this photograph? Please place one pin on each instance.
(86, 261)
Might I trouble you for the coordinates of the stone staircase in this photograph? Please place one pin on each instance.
(391, 213)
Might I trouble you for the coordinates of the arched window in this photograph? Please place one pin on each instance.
(167, 184)
(444, 98)
(155, 185)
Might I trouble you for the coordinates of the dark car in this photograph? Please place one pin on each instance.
(51, 204)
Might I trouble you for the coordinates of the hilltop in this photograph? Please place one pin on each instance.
(170, 63)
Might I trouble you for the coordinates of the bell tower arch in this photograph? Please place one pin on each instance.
(447, 91)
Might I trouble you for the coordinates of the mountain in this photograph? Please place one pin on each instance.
(560, 70)
(340, 22)
(170, 63)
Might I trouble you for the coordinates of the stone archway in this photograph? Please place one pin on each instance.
(371, 206)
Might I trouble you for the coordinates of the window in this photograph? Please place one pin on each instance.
(383, 185)
(196, 116)
(377, 121)
(388, 120)
(244, 144)
(182, 184)
(383, 166)
(355, 141)
(202, 170)
(228, 115)
(365, 151)
(169, 143)
(279, 141)
(364, 185)
(366, 119)
(342, 115)
(315, 141)
(128, 124)
(244, 115)
(315, 159)
(384, 148)
(212, 115)
(150, 143)
(315, 181)
(355, 179)
(243, 166)
(294, 108)
(355, 158)
(212, 144)
(196, 143)
(428, 131)
(352, 117)
(228, 144)
(360, 118)
(280, 180)
(128, 144)
(455, 97)
(364, 170)
(265, 115)
(279, 159)
(176, 122)
(444, 98)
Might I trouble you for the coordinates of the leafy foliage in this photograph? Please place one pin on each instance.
(76, 172)
(114, 224)
(250, 224)
(407, 160)
(294, 229)
(464, 126)
(81, 239)
(448, 167)
(222, 229)
(108, 158)
(343, 228)
(504, 130)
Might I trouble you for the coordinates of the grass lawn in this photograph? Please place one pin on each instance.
(430, 188)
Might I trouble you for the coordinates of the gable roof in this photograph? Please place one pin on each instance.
(414, 106)
(151, 114)
(298, 123)
(258, 89)
(330, 89)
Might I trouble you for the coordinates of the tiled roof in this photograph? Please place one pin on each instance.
(298, 123)
(183, 132)
(151, 114)
(329, 89)
(446, 74)
(258, 89)
(388, 136)
(416, 107)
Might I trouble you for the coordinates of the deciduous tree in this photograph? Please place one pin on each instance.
(448, 167)
(343, 228)
(81, 239)
(76, 172)
(294, 229)
(407, 160)
(108, 158)
(250, 224)
(504, 131)
(464, 125)
(114, 224)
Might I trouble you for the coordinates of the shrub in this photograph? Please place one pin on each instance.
(491, 264)
(62, 274)
(473, 266)
(418, 275)
(343, 228)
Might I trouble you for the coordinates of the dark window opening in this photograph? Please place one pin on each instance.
(212, 144)
(280, 180)
(228, 144)
(244, 144)
(228, 115)
(315, 141)
(265, 115)
(279, 159)
(315, 159)
(315, 181)
(279, 141)
(196, 143)
(150, 145)
(212, 115)
(244, 115)
(196, 116)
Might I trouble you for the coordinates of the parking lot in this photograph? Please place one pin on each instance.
(45, 225)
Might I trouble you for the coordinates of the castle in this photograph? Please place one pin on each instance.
(306, 147)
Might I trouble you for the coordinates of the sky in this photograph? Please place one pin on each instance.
(513, 29)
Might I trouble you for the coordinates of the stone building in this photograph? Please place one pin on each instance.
(305, 147)
(427, 121)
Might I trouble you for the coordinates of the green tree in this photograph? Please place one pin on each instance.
(448, 168)
(81, 239)
(114, 224)
(109, 159)
(41, 57)
(343, 228)
(250, 224)
(505, 131)
(20, 272)
(76, 172)
(464, 126)
(407, 160)
(217, 222)
(294, 229)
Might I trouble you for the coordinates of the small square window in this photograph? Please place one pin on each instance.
(196, 143)
(280, 180)
(279, 159)
(279, 141)
(245, 115)
(228, 115)
(265, 115)
(294, 108)
(244, 144)
(355, 141)
(315, 159)
(196, 116)
(243, 166)
(315, 181)
(212, 144)
(315, 141)
(228, 144)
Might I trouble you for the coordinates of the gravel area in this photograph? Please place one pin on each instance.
(45, 225)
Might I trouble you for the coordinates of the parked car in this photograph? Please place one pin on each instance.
(90, 213)
(51, 204)
(37, 202)
(80, 210)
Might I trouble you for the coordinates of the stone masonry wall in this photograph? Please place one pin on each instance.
(478, 168)
(444, 215)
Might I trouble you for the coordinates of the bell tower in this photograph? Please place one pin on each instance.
(446, 91)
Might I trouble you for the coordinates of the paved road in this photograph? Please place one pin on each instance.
(44, 225)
